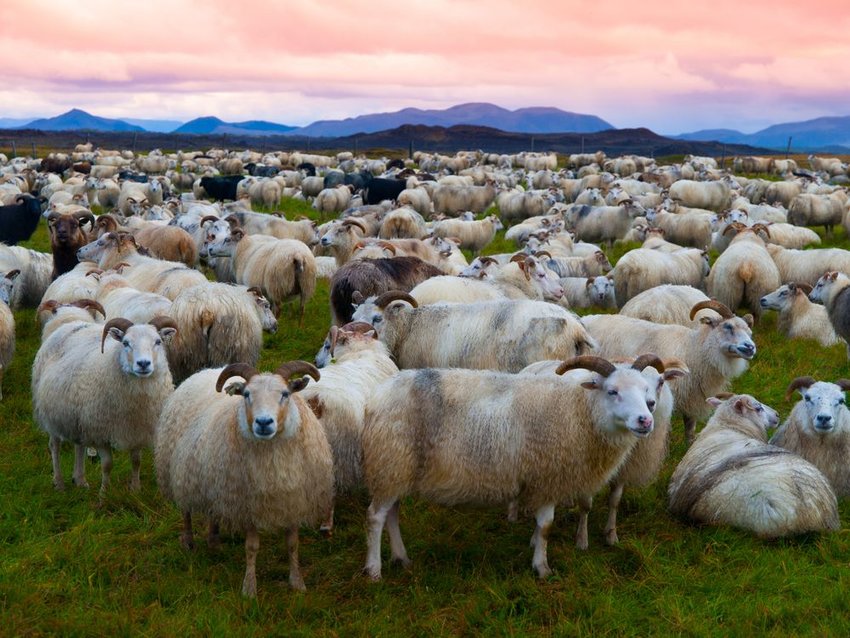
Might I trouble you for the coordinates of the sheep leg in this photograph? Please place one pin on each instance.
(105, 468)
(213, 539)
(79, 475)
(327, 527)
(55, 445)
(376, 517)
(252, 547)
(296, 581)
(690, 429)
(613, 503)
(136, 461)
(540, 539)
(585, 503)
(397, 550)
(513, 511)
(187, 540)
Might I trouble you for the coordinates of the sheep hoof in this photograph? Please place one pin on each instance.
(543, 570)
(59, 485)
(297, 583)
(374, 573)
(402, 561)
(611, 537)
(249, 588)
(81, 482)
(187, 542)
(326, 531)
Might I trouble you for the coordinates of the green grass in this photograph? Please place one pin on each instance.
(70, 567)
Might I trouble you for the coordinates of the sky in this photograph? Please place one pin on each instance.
(672, 67)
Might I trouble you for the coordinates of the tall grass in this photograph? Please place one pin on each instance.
(71, 567)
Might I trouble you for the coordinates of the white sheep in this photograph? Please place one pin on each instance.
(732, 476)
(832, 290)
(333, 200)
(102, 386)
(806, 266)
(588, 292)
(481, 335)
(473, 235)
(484, 437)
(715, 351)
(707, 195)
(645, 268)
(254, 459)
(7, 324)
(669, 303)
(818, 429)
(403, 223)
(799, 318)
(36, 270)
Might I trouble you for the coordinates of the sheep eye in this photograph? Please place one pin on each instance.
(808, 398)
(125, 343)
(158, 342)
(728, 327)
(841, 402)
(246, 394)
(612, 393)
(377, 319)
(759, 409)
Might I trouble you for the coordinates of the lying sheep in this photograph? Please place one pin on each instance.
(833, 291)
(480, 335)
(253, 459)
(715, 351)
(107, 402)
(669, 303)
(485, 437)
(7, 324)
(732, 476)
(353, 363)
(799, 318)
(644, 462)
(818, 429)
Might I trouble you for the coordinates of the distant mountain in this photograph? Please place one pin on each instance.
(77, 120)
(12, 122)
(527, 120)
(214, 126)
(154, 126)
(821, 133)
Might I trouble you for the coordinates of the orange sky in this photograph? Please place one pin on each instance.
(670, 66)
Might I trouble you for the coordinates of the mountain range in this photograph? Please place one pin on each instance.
(823, 134)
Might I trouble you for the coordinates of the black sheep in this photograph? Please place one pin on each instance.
(378, 189)
(221, 187)
(18, 221)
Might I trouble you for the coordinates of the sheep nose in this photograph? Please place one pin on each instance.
(824, 419)
(747, 349)
(143, 364)
(763, 302)
(263, 421)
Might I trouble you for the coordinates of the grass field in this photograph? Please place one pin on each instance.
(70, 567)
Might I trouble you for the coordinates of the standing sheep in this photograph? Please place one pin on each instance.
(7, 324)
(732, 476)
(254, 459)
(833, 291)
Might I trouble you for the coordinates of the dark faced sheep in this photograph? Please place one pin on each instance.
(18, 221)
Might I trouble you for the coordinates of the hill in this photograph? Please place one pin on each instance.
(78, 120)
(212, 126)
(823, 133)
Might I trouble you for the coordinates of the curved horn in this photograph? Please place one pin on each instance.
(587, 362)
(518, 257)
(736, 226)
(712, 304)
(233, 221)
(235, 370)
(84, 216)
(118, 322)
(543, 252)
(806, 288)
(387, 245)
(53, 215)
(12, 273)
(254, 290)
(108, 222)
(724, 395)
(207, 218)
(355, 222)
(89, 303)
(648, 359)
(162, 321)
(290, 368)
(393, 295)
(358, 326)
(796, 384)
(487, 260)
(844, 384)
(334, 335)
(50, 304)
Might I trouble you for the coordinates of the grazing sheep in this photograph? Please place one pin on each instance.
(452, 200)
(833, 291)
(485, 437)
(494, 335)
(793, 237)
(642, 269)
(170, 243)
(333, 200)
(353, 363)
(732, 476)
(715, 351)
(253, 459)
(107, 402)
(808, 209)
(600, 223)
(685, 229)
(818, 429)
(281, 268)
(668, 303)
(799, 318)
(416, 198)
(744, 273)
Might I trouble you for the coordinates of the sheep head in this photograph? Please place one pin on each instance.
(143, 349)
(730, 334)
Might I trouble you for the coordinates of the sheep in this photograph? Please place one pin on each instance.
(67, 235)
(53, 315)
(304, 230)
(643, 463)
(333, 200)
(416, 198)
(744, 273)
(809, 209)
(790, 236)
(715, 351)
(342, 238)
(353, 363)
(481, 335)
(281, 268)
(644, 268)
(403, 223)
(78, 283)
(254, 459)
(799, 318)
(668, 303)
(818, 429)
(688, 229)
(708, 195)
(368, 277)
(471, 436)
(732, 476)
(170, 243)
(591, 265)
(7, 324)
(106, 402)
(831, 290)
(519, 233)
(587, 292)
(600, 223)
(455, 199)
(18, 221)
(806, 266)
(119, 299)
(166, 278)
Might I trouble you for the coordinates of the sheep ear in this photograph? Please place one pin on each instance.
(296, 385)
(235, 387)
(709, 321)
(714, 401)
(748, 319)
(673, 373)
(590, 385)
(116, 333)
(167, 333)
(741, 405)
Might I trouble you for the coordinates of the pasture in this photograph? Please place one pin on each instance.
(70, 566)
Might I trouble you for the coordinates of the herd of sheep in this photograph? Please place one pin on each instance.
(446, 373)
